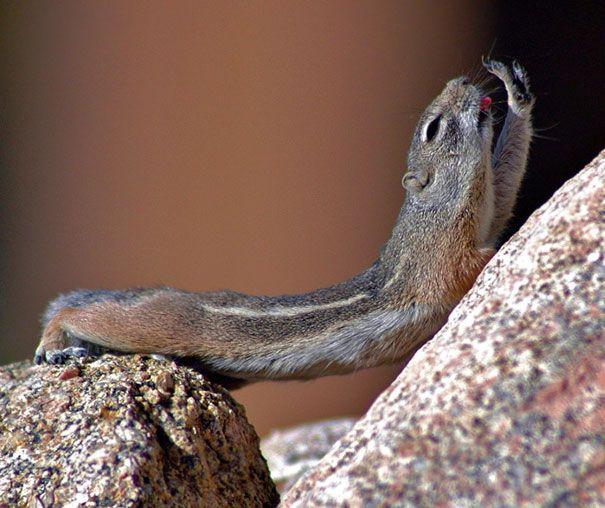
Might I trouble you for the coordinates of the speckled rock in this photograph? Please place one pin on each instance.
(125, 431)
(506, 405)
(291, 452)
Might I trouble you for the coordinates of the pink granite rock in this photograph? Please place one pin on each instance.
(125, 431)
(506, 405)
(292, 452)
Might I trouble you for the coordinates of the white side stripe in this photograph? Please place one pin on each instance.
(281, 311)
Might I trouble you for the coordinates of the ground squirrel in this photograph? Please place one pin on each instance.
(460, 195)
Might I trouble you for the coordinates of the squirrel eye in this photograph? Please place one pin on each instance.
(432, 128)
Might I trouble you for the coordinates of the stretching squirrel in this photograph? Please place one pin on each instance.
(459, 198)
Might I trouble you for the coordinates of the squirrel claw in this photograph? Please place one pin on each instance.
(39, 358)
(521, 83)
(56, 357)
(491, 65)
(60, 356)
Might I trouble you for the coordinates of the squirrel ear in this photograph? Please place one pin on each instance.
(415, 181)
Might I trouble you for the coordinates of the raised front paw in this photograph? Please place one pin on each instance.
(515, 80)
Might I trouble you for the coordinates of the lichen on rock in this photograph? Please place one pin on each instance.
(125, 431)
(505, 406)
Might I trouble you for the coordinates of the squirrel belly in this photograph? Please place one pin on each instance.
(459, 198)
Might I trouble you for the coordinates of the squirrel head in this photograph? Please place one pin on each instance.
(451, 144)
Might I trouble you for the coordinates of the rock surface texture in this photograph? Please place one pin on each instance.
(125, 431)
(292, 452)
(506, 405)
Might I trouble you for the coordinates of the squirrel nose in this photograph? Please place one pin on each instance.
(464, 80)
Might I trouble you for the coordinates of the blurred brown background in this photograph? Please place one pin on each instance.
(256, 146)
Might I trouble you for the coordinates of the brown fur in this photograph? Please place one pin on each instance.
(440, 243)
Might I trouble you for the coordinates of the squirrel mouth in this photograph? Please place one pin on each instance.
(484, 107)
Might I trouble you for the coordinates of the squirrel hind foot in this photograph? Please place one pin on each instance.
(59, 356)
(57, 347)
